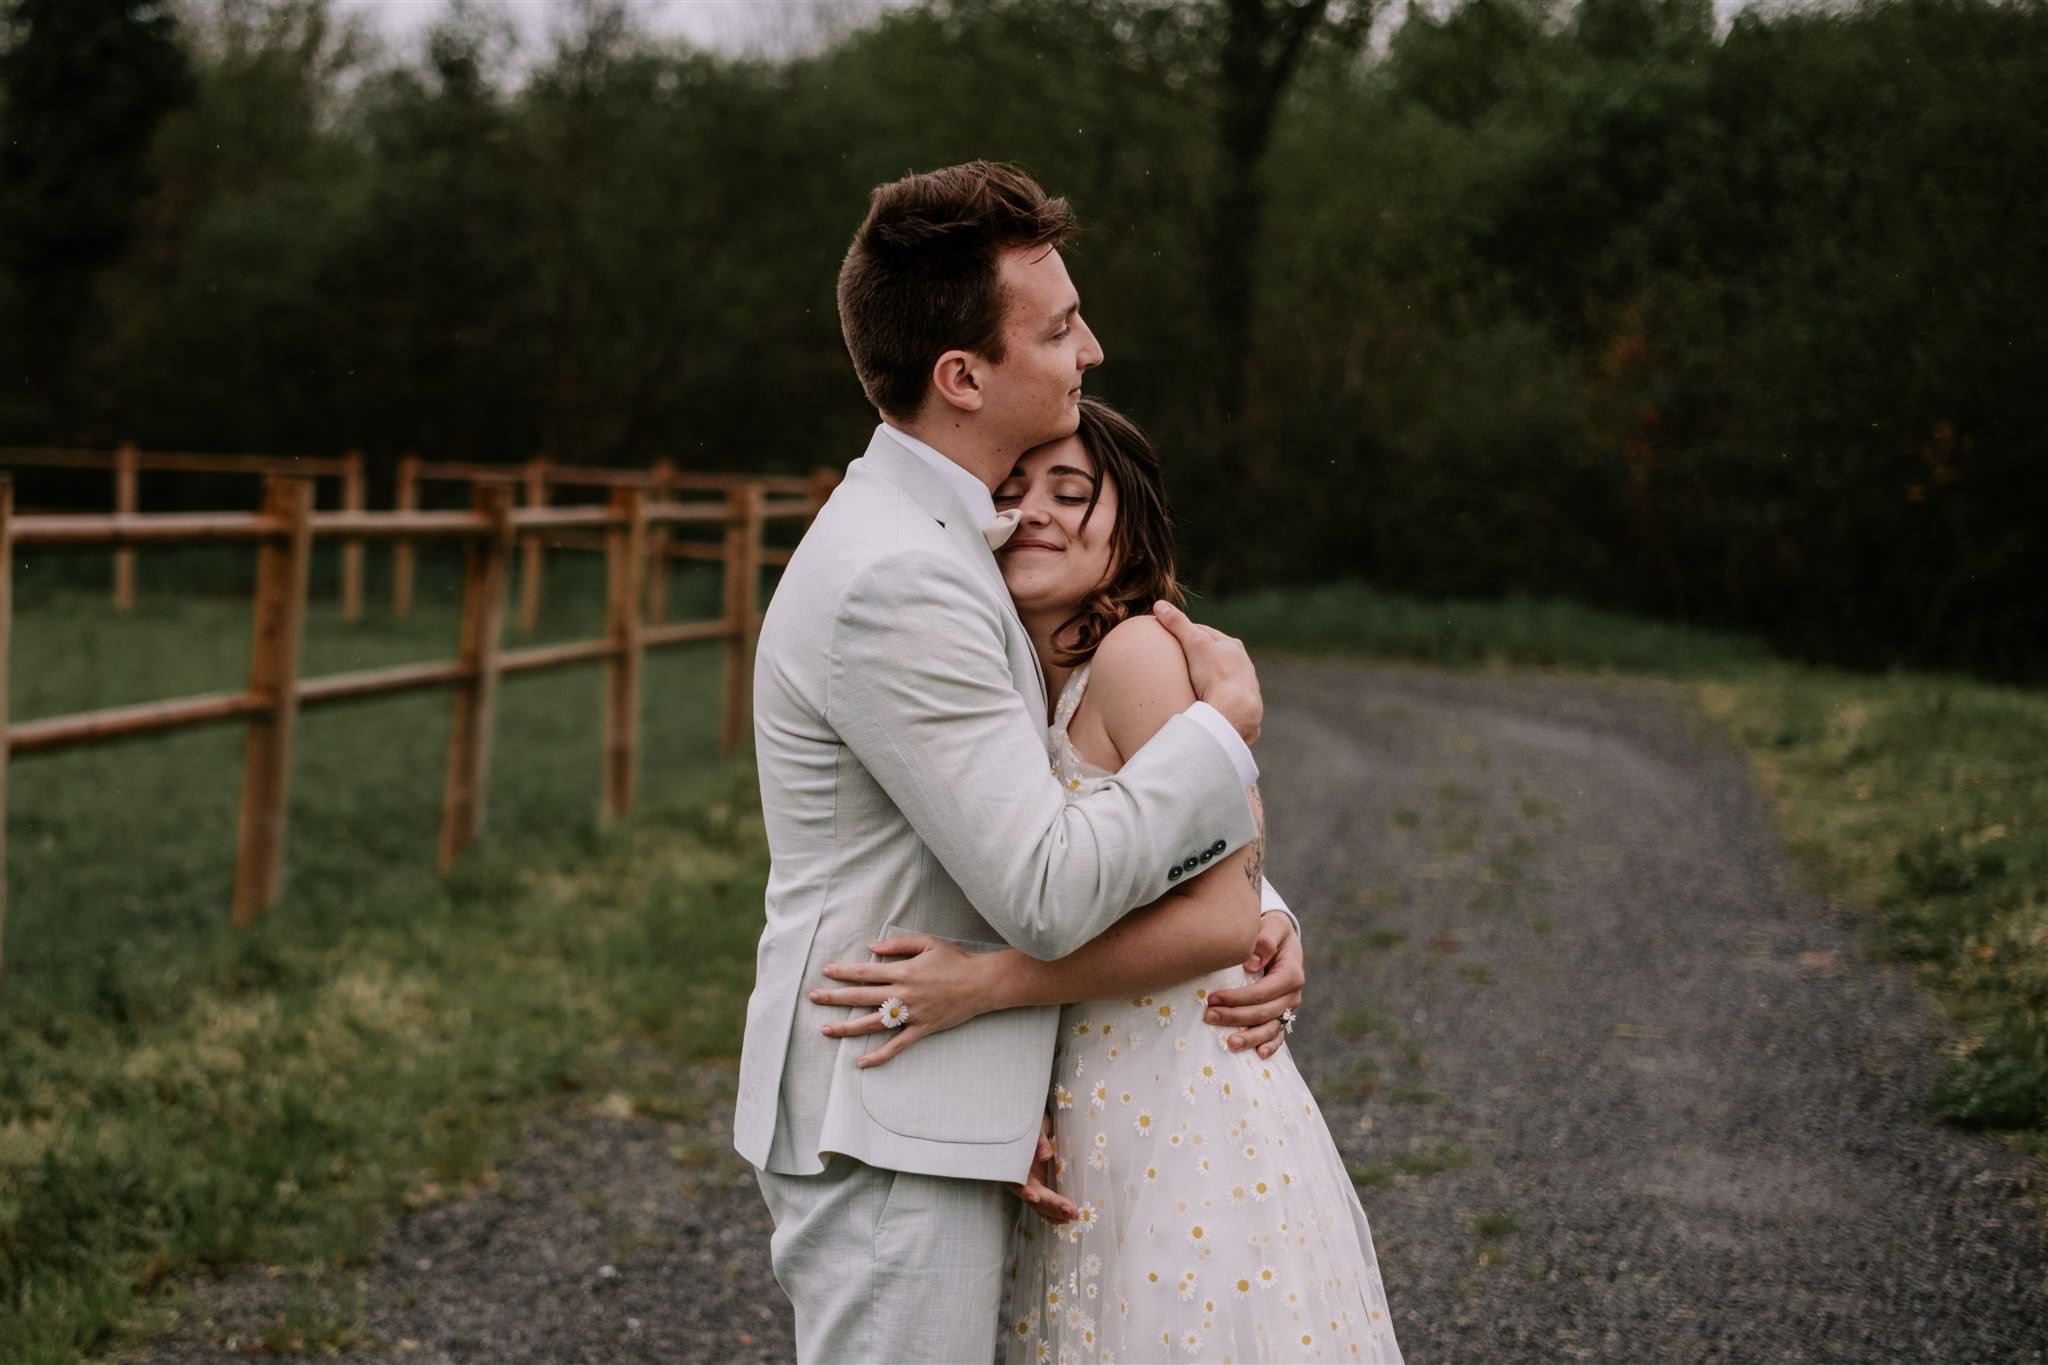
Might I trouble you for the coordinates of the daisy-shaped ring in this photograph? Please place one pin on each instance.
(895, 1014)
(1287, 1018)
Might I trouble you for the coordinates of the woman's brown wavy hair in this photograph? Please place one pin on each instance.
(1140, 544)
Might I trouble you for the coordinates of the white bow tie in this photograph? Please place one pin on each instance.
(1001, 529)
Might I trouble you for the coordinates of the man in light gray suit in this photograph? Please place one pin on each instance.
(900, 721)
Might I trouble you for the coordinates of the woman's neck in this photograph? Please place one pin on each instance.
(1042, 627)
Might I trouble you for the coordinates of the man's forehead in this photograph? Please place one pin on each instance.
(1038, 278)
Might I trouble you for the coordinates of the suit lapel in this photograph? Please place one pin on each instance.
(929, 491)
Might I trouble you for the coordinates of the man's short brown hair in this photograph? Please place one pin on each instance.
(921, 276)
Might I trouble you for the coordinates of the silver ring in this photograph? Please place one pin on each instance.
(895, 1014)
(1287, 1019)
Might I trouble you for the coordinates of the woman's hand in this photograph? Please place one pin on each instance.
(1255, 1007)
(1037, 1191)
(939, 984)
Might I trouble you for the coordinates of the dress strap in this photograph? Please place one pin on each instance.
(1070, 696)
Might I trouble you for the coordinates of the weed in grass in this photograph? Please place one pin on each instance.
(1369, 1176)
(1358, 1022)
(1406, 817)
(1433, 1159)
(1478, 973)
(1542, 925)
(1414, 1094)
(1491, 1227)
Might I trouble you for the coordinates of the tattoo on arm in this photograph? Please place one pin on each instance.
(1254, 866)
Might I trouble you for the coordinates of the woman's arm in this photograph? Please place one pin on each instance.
(1138, 679)
(1207, 923)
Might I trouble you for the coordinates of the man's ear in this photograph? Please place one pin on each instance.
(956, 378)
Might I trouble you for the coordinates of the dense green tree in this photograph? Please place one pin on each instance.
(86, 83)
(1588, 299)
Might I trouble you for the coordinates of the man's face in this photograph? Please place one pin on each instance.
(1033, 395)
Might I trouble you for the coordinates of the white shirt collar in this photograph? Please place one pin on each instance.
(972, 492)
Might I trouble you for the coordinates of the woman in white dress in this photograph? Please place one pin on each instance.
(1206, 1213)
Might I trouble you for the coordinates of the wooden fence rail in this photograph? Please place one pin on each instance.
(127, 464)
(538, 479)
(284, 532)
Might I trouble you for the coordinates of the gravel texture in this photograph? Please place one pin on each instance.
(1615, 1084)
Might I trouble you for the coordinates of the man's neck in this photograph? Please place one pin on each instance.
(963, 445)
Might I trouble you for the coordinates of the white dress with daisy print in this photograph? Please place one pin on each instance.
(1217, 1222)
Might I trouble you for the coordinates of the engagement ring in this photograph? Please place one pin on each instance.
(1287, 1018)
(895, 1014)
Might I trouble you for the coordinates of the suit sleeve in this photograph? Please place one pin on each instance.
(921, 692)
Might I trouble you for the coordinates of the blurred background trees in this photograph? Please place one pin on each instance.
(1724, 322)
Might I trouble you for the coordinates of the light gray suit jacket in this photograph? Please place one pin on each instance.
(899, 725)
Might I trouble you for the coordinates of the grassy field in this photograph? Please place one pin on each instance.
(178, 1096)
(1921, 798)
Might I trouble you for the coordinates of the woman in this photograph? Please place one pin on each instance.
(1206, 1211)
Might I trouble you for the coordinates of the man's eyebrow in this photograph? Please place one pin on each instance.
(1064, 314)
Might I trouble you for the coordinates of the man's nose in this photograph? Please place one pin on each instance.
(1091, 349)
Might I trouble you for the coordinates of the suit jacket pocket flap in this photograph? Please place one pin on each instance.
(985, 1081)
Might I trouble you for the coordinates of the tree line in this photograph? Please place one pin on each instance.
(1727, 322)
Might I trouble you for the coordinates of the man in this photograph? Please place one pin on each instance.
(899, 724)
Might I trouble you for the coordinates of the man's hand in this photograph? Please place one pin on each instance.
(1037, 1191)
(1255, 1007)
(1220, 670)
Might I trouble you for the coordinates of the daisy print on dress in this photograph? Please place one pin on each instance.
(1191, 1266)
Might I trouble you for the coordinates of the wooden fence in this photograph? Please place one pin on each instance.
(284, 532)
(538, 479)
(127, 463)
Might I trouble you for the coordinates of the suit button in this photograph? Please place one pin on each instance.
(1173, 874)
(1207, 854)
(1218, 846)
(1191, 864)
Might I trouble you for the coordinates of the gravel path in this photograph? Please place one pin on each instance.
(1614, 1086)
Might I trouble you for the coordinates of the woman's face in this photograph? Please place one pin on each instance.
(1052, 562)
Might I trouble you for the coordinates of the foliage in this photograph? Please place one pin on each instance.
(86, 82)
(1599, 300)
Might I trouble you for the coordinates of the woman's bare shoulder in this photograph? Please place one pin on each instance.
(1139, 680)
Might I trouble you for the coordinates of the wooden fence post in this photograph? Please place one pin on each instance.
(823, 481)
(273, 671)
(657, 545)
(742, 602)
(6, 623)
(354, 498)
(127, 499)
(483, 619)
(530, 550)
(625, 561)
(405, 498)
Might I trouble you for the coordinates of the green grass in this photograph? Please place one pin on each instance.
(1922, 798)
(1517, 632)
(176, 1095)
